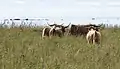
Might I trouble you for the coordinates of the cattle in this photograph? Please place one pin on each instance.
(81, 29)
(73, 29)
(48, 31)
(93, 36)
(45, 32)
(63, 29)
(54, 30)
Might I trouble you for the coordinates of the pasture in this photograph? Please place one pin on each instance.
(26, 50)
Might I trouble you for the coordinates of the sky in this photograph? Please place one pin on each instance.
(74, 10)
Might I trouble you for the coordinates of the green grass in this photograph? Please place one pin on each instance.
(26, 50)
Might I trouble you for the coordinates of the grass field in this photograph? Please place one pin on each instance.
(26, 50)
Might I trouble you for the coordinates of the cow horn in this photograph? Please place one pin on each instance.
(50, 25)
(62, 24)
(68, 25)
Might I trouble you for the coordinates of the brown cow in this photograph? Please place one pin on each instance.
(81, 29)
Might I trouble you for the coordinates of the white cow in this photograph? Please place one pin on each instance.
(93, 36)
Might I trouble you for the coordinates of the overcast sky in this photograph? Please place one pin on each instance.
(59, 8)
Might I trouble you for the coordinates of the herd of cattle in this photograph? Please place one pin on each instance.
(90, 31)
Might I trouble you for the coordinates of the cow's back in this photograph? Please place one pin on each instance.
(82, 30)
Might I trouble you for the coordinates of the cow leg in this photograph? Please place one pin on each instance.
(93, 41)
(98, 42)
(50, 36)
(88, 40)
(43, 33)
(43, 37)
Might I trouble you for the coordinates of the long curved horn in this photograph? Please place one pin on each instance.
(62, 24)
(50, 25)
(68, 25)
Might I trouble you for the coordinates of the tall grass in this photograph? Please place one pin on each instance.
(26, 50)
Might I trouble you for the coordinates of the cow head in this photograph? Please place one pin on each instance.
(55, 25)
(63, 28)
(60, 27)
(93, 28)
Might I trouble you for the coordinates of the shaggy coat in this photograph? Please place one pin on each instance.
(81, 29)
